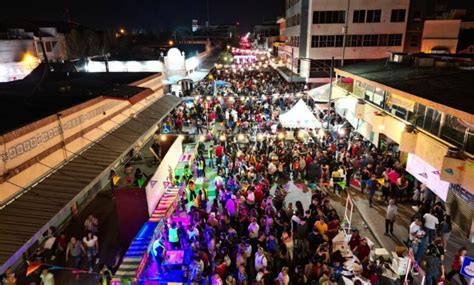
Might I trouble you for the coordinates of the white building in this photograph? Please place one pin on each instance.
(21, 51)
(348, 30)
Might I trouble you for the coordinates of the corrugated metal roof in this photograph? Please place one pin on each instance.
(25, 217)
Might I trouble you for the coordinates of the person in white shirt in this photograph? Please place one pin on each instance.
(253, 229)
(92, 248)
(417, 234)
(192, 232)
(283, 277)
(431, 222)
(47, 278)
(392, 211)
(416, 231)
(260, 260)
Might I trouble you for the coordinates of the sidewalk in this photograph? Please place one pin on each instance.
(375, 219)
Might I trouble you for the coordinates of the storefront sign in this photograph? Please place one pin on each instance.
(462, 193)
(467, 268)
(427, 175)
(401, 102)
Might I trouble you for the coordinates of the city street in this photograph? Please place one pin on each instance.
(205, 142)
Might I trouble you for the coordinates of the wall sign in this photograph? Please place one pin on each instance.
(462, 193)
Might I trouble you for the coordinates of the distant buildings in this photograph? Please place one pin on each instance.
(354, 31)
(266, 34)
(21, 50)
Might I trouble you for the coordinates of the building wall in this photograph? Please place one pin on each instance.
(429, 148)
(28, 156)
(14, 50)
(13, 65)
(440, 33)
(384, 27)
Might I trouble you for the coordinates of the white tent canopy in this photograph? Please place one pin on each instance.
(300, 117)
(320, 94)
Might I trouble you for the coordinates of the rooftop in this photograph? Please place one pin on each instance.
(43, 93)
(449, 86)
(25, 219)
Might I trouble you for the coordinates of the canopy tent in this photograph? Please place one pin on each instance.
(300, 117)
(320, 94)
(198, 75)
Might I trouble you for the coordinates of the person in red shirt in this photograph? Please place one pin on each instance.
(258, 194)
(221, 269)
(355, 240)
(362, 251)
(456, 266)
(219, 151)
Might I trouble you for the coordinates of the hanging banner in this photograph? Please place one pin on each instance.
(427, 175)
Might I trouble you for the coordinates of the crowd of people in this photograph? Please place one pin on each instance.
(60, 252)
(248, 234)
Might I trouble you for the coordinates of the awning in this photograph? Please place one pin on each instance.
(320, 94)
(198, 75)
(173, 79)
(24, 221)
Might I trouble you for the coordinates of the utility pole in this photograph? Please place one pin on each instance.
(207, 23)
(344, 39)
(291, 74)
(43, 49)
(106, 58)
(330, 92)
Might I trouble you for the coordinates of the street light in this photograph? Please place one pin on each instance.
(170, 43)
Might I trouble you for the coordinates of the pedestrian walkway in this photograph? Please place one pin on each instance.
(375, 219)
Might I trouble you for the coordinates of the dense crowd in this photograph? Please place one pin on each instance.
(248, 234)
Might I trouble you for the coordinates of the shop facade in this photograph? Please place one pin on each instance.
(416, 131)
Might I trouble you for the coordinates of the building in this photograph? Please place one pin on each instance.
(419, 11)
(24, 45)
(348, 30)
(466, 38)
(282, 26)
(440, 36)
(60, 145)
(421, 108)
(266, 34)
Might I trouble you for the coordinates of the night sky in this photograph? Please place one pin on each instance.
(147, 13)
